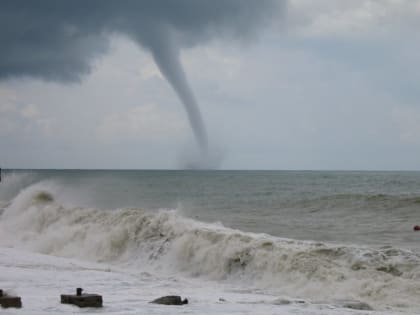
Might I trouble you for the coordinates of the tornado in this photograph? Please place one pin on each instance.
(63, 39)
(166, 55)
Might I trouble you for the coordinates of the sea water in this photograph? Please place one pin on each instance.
(232, 242)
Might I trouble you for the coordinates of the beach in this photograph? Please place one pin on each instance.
(232, 242)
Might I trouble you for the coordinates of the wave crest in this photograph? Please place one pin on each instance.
(170, 243)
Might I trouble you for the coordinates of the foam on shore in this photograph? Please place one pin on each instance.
(169, 244)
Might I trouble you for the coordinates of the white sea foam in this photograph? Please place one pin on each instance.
(13, 182)
(40, 279)
(168, 244)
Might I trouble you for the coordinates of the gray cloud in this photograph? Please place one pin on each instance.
(57, 40)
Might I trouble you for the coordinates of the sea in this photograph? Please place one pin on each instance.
(231, 242)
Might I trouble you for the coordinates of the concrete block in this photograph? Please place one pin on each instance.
(81, 299)
(9, 301)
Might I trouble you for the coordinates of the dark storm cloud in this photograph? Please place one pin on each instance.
(57, 40)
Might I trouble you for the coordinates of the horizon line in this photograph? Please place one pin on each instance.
(205, 170)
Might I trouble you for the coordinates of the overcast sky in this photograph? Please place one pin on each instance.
(300, 84)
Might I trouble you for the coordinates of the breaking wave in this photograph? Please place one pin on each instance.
(169, 243)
